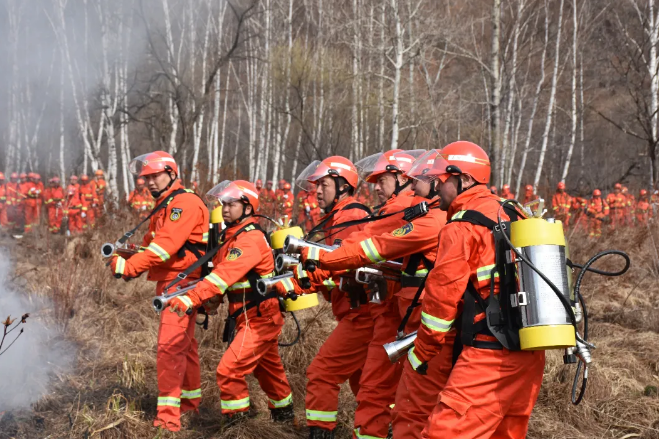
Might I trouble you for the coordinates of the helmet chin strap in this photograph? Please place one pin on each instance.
(339, 192)
(432, 193)
(400, 187)
(241, 218)
(157, 194)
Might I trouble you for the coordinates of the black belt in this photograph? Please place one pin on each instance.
(410, 281)
(247, 296)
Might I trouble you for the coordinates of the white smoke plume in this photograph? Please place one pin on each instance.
(28, 367)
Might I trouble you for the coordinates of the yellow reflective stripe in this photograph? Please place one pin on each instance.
(414, 361)
(419, 273)
(329, 283)
(301, 272)
(237, 404)
(121, 265)
(169, 401)
(284, 402)
(158, 251)
(153, 234)
(317, 415)
(217, 281)
(484, 273)
(460, 214)
(366, 436)
(288, 284)
(186, 301)
(435, 323)
(243, 285)
(204, 237)
(191, 394)
(313, 254)
(370, 251)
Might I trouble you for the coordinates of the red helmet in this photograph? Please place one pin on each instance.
(84, 178)
(287, 186)
(282, 182)
(54, 180)
(505, 187)
(73, 178)
(462, 158)
(625, 190)
(334, 166)
(141, 181)
(560, 185)
(643, 192)
(153, 163)
(37, 176)
(529, 187)
(269, 182)
(617, 186)
(259, 184)
(23, 176)
(597, 193)
(13, 176)
(238, 190)
(395, 161)
(98, 173)
(30, 175)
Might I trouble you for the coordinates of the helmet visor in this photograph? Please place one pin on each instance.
(429, 167)
(307, 178)
(228, 192)
(150, 164)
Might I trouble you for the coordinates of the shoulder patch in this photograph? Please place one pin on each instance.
(176, 214)
(402, 231)
(234, 254)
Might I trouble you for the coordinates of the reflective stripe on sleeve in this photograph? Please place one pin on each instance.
(288, 284)
(121, 265)
(369, 250)
(485, 273)
(313, 254)
(414, 361)
(159, 251)
(366, 436)
(434, 323)
(460, 214)
(329, 283)
(217, 281)
(204, 237)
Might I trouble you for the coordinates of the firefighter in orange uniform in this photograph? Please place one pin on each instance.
(302, 208)
(177, 237)
(416, 243)
(643, 209)
(3, 201)
(285, 204)
(14, 202)
(40, 199)
(505, 192)
(54, 196)
(140, 200)
(342, 356)
(617, 202)
(73, 207)
(87, 192)
(100, 191)
(560, 204)
(598, 211)
(481, 398)
(31, 204)
(529, 194)
(630, 204)
(255, 321)
(364, 195)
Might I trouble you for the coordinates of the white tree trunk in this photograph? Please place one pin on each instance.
(573, 132)
(495, 78)
(552, 99)
(398, 66)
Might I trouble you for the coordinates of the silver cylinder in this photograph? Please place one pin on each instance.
(264, 286)
(295, 245)
(107, 249)
(398, 349)
(537, 302)
(283, 262)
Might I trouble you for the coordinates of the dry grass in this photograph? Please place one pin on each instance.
(112, 391)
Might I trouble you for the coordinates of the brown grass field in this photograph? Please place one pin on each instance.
(111, 390)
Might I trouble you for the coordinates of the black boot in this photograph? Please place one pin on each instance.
(283, 414)
(228, 420)
(320, 433)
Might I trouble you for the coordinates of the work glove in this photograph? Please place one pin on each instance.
(307, 209)
(83, 214)
(121, 268)
(311, 254)
(143, 207)
(181, 305)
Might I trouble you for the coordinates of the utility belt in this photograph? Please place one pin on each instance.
(355, 292)
(255, 300)
(411, 281)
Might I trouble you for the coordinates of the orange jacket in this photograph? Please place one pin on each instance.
(88, 195)
(598, 208)
(507, 195)
(184, 219)
(3, 195)
(73, 203)
(52, 196)
(327, 281)
(616, 201)
(285, 202)
(239, 255)
(141, 199)
(643, 211)
(465, 254)
(30, 193)
(561, 203)
(14, 197)
(100, 189)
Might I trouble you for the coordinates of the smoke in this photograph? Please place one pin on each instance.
(29, 365)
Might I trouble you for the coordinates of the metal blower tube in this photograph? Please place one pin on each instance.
(107, 249)
(160, 302)
(283, 261)
(264, 286)
(295, 245)
(397, 349)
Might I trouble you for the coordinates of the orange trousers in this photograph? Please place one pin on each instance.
(416, 395)
(595, 228)
(54, 219)
(179, 380)
(31, 215)
(377, 386)
(89, 221)
(75, 221)
(489, 394)
(340, 359)
(254, 350)
(4, 221)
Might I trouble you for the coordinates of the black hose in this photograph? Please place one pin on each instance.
(584, 382)
(297, 337)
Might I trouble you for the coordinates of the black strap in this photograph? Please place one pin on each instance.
(320, 226)
(161, 205)
(230, 325)
(417, 296)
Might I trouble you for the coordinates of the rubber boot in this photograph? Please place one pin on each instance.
(283, 414)
(320, 433)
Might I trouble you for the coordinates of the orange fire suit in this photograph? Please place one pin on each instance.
(89, 205)
(141, 201)
(598, 210)
(285, 206)
(529, 196)
(308, 213)
(365, 197)
(72, 209)
(481, 398)
(415, 400)
(254, 348)
(172, 230)
(267, 202)
(560, 204)
(507, 195)
(53, 201)
(3, 205)
(31, 204)
(629, 209)
(14, 205)
(618, 204)
(100, 195)
(342, 356)
(40, 199)
(642, 212)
